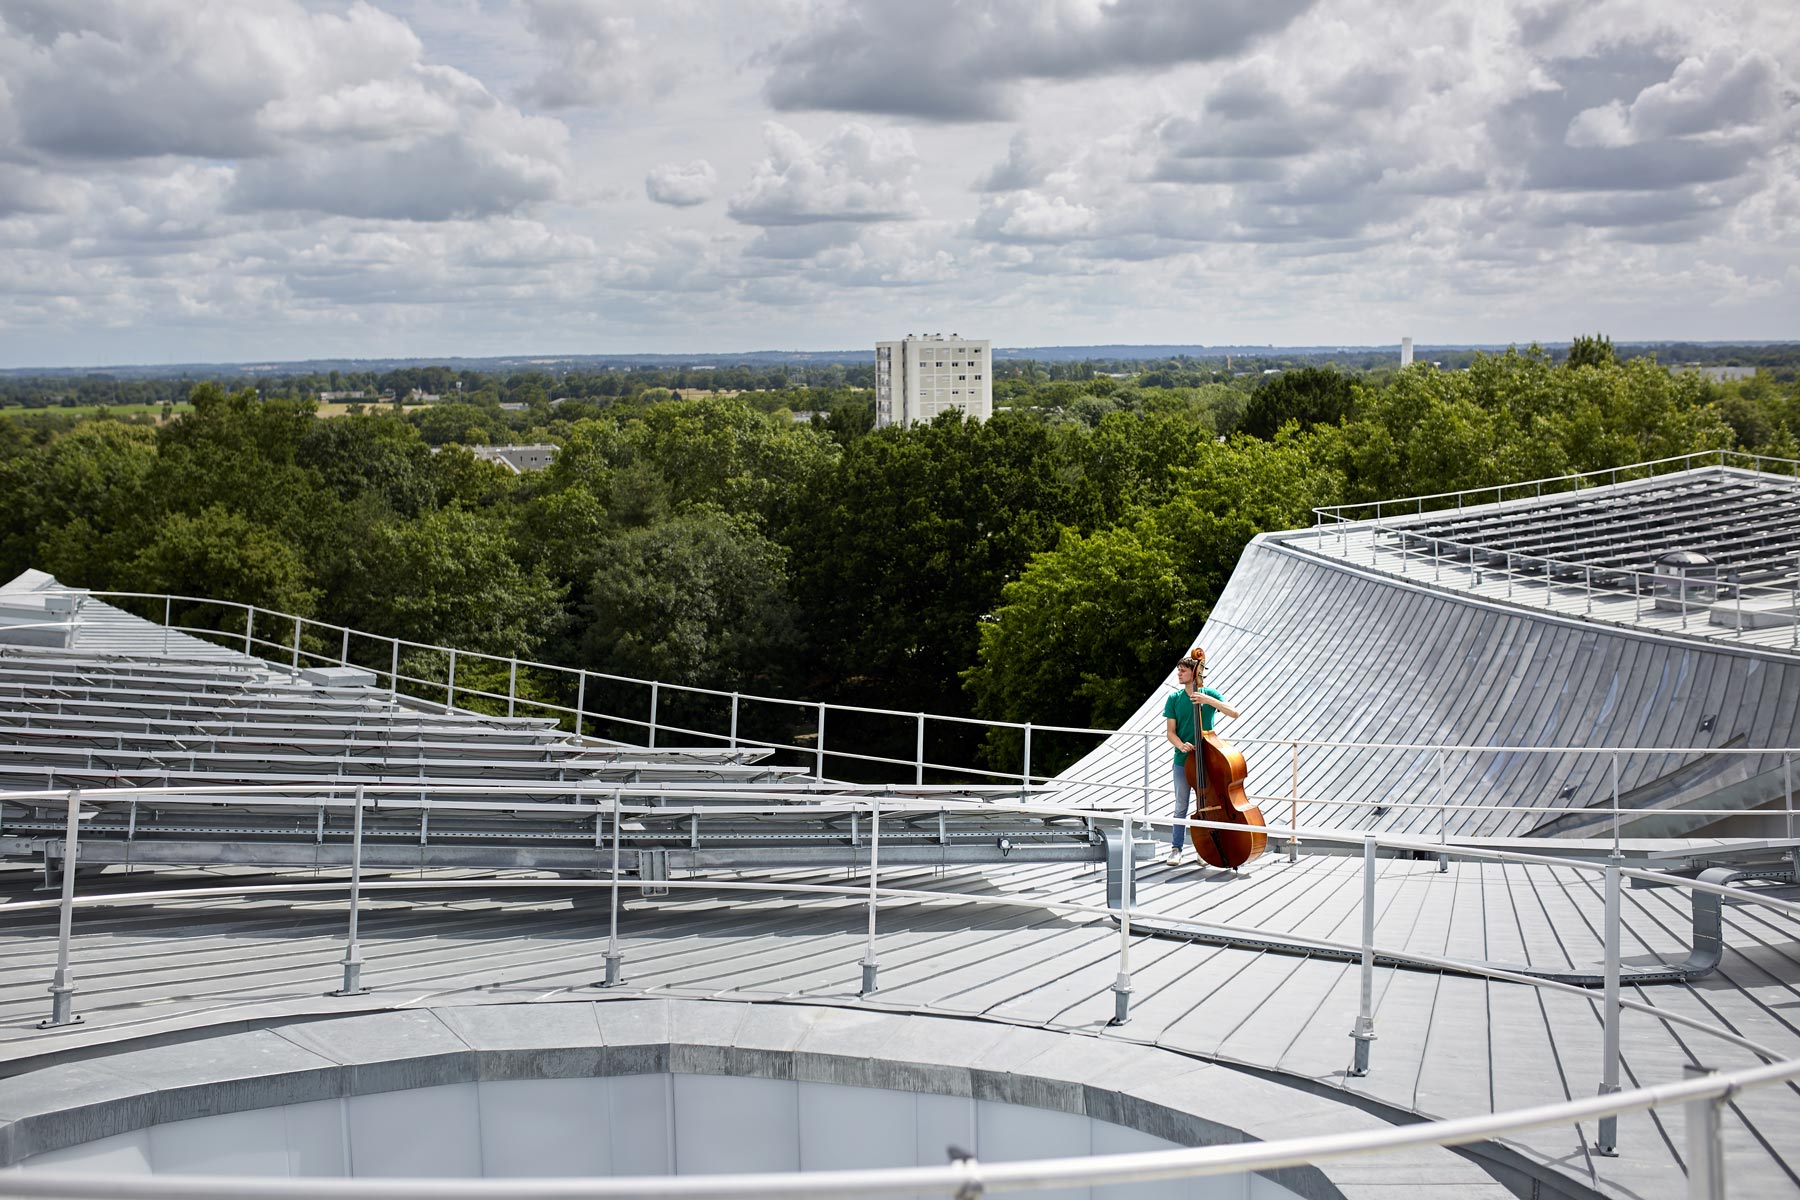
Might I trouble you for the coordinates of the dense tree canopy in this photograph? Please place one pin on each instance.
(1040, 566)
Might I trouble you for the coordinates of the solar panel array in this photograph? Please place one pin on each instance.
(1745, 523)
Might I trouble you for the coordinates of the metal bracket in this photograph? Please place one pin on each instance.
(1121, 873)
(653, 871)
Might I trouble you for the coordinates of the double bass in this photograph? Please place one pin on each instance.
(1226, 800)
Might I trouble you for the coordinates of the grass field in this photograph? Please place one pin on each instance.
(94, 410)
(155, 410)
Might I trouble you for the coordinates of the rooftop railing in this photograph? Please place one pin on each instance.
(1702, 1098)
(1537, 488)
(750, 721)
(1714, 607)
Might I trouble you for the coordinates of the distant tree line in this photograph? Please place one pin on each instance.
(1042, 565)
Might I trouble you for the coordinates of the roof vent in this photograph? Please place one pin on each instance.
(1685, 578)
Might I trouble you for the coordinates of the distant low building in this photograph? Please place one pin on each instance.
(419, 397)
(514, 406)
(920, 377)
(343, 397)
(519, 459)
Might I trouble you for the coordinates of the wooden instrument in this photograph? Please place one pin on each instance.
(1226, 799)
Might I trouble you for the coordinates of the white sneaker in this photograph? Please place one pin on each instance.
(1174, 859)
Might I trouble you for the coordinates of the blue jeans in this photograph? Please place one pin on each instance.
(1178, 834)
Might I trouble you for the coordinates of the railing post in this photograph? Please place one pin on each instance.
(344, 650)
(1607, 1143)
(1787, 787)
(249, 621)
(580, 701)
(394, 672)
(1147, 741)
(1122, 983)
(1443, 796)
(1364, 1032)
(655, 700)
(1509, 575)
(734, 720)
(450, 687)
(62, 988)
(168, 619)
(1293, 801)
(298, 621)
(1615, 802)
(1025, 775)
(869, 965)
(353, 948)
(512, 685)
(1587, 585)
(614, 957)
(819, 744)
(1705, 1145)
(919, 759)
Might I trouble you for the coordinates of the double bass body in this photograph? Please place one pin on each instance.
(1226, 800)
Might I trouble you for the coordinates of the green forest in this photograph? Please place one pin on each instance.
(1044, 565)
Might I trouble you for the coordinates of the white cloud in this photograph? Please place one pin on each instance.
(668, 260)
(287, 177)
(315, 111)
(856, 174)
(1032, 217)
(681, 185)
(1023, 167)
(959, 60)
(152, 77)
(595, 55)
(1722, 95)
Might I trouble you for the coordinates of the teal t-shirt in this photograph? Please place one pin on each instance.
(1181, 709)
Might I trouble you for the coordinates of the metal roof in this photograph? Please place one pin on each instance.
(1314, 644)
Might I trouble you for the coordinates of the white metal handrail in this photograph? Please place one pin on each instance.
(1702, 1097)
(919, 765)
(1698, 597)
(928, 895)
(1460, 497)
(1608, 1105)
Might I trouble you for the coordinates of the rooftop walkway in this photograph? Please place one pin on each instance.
(1447, 1044)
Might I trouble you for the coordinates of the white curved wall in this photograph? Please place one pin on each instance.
(625, 1125)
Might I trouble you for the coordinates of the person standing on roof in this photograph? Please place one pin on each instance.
(1178, 722)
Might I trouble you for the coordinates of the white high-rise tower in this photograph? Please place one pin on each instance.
(1405, 353)
(920, 377)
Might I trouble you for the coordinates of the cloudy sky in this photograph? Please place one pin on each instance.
(244, 180)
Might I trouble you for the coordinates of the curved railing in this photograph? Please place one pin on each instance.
(1612, 595)
(1702, 1097)
(303, 648)
(1536, 488)
(810, 748)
